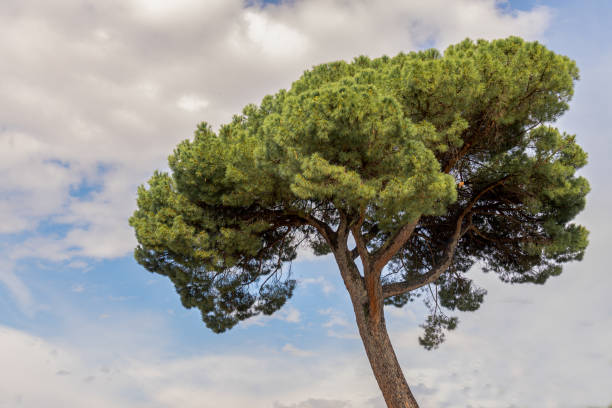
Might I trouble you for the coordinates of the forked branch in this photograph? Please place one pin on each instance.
(398, 288)
(384, 254)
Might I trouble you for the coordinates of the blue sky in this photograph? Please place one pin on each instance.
(94, 99)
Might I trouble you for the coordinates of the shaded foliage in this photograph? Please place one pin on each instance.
(434, 328)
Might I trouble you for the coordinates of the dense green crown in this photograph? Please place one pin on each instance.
(416, 136)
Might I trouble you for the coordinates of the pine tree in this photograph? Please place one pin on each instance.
(431, 163)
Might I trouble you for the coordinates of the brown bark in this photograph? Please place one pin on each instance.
(381, 257)
(382, 358)
(373, 332)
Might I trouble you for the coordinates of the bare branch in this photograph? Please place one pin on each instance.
(398, 288)
(348, 270)
(382, 256)
(324, 229)
(362, 250)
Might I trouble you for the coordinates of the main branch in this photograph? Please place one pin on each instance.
(384, 254)
(398, 288)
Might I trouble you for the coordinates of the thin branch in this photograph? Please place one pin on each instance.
(324, 229)
(266, 281)
(361, 249)
(451, 163)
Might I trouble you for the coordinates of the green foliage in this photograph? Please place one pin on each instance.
(460, 294)
(415, 137)
(434, 328)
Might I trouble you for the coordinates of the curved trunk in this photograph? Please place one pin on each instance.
(383, 361)
(369, 313)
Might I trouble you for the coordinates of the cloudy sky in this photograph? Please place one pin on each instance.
(94, 96)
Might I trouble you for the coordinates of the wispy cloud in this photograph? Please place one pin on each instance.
(78, 288)
(338, 325)
(16, 287)
(291, 349)
(336, 318)
(321, 281)
(66, 375)
(287, 314)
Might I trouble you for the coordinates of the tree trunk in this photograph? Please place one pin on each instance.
(383, 361)
(373, 331)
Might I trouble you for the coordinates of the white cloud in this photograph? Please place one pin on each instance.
(325, 284)
(497, 354)
(69, 375)
(192, 103)
(336, 318)
(77, 288)
(16, 287)
(550, 342)
(96, 85)
(90, 96)
(347, 335)
(291, 349)
(316, 403)
(161, 8)
(287, 314)
(290, 314)
(338, 325)
(274, 39)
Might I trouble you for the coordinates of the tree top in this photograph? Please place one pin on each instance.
(428, 159)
